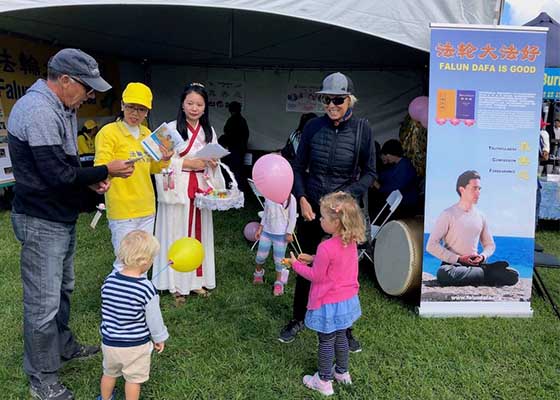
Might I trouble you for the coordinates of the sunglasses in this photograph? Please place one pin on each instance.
(337, 100)
(139, 110)
(89, 90)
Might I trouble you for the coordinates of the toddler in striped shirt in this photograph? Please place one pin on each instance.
(131, 321)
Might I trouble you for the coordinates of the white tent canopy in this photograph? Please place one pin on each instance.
(267, 44)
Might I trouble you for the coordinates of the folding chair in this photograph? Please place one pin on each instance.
(258, 194)
(392, 201)
(545, 260)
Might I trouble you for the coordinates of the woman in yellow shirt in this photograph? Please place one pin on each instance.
(86, 138)
(130, 202)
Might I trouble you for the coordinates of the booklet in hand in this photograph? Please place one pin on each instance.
(164, 135)
(212, 151)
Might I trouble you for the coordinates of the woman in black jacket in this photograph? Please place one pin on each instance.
(336, 152)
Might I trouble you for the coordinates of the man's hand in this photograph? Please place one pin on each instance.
(101, 187)
(470, 260)
(120, 168)
(306, 209)
(159, 346)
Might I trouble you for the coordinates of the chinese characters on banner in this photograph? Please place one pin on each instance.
(486, 87)
(221, 93)
(6, 174)
(303, 99)
(23, 61)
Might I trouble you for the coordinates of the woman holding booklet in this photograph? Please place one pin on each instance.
(130, 202)
(177, 214)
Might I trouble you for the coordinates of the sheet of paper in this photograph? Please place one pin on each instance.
(212, 151)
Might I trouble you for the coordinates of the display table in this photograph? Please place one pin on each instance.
(550, 200)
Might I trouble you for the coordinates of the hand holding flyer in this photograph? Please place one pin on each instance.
(212, 151)
(164, 136)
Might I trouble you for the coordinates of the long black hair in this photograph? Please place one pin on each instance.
(204, 119)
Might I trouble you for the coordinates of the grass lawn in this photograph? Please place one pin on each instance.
(225, 347)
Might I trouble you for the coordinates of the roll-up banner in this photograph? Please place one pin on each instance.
(485, 100)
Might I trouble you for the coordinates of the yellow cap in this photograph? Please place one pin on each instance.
(138, 93)
(90, 124)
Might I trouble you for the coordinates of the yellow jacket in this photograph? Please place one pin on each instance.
(86, 144)
(132, 197)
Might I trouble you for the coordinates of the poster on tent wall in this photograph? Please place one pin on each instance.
(481, 174)
(221, 93)
(303, 98)
(3, 130)
(24, 61)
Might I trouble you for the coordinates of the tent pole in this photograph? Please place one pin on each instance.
(499, 11)
(231, 36)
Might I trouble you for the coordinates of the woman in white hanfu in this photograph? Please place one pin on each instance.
(177, 215)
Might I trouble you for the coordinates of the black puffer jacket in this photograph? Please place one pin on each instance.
(325, 159)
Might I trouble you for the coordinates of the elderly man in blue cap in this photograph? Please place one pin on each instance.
(42, 129)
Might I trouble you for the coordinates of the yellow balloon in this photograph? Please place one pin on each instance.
(185, 254)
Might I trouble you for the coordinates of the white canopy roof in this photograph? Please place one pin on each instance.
(405, 21)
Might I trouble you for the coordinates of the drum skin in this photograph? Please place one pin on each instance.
(398, 256)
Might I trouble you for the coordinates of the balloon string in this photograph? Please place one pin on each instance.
(165, 268)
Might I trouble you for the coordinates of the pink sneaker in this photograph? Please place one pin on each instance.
(344, 378)
(258, 277)
(285, 275)
(278, 289)
(316, 383)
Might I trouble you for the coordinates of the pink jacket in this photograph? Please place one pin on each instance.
(333, 275)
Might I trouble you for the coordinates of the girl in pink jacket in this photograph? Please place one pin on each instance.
(333, 304)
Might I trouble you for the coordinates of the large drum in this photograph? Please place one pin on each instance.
(398, 256)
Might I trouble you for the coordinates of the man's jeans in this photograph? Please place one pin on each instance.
(47, 273)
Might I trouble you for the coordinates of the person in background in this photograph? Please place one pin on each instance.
(178, 215)
(86, 138)
(235, 138)
(131, 321)
(399, 174)
(131, 203)
(333, 305)
(290, 149)
(330, 158)
(42, 130)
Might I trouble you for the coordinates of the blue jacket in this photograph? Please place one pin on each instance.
(325, 159)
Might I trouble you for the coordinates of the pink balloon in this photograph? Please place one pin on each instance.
(455, 121)
(250, 231)
(418, 108)
(424, 122)
(273, 177)
(441, 121)
(469, 122)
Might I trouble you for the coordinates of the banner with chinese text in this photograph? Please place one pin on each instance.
(486, 87)
(221, 93)
(23, 61)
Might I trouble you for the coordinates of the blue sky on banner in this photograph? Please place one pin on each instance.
(518, 12)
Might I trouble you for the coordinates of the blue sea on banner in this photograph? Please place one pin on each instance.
(518, 252)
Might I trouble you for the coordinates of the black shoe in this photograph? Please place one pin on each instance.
(290, 331)
(83, 352)
(353, 345)
(54, 391)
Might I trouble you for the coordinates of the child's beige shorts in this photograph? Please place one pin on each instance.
(132, 363)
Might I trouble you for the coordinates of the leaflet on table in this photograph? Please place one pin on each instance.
(164, 135)
(211, 151)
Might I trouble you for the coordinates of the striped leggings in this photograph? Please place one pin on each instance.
(333, 347)
(278, 243)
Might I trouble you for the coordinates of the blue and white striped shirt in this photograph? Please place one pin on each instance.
(130, 313)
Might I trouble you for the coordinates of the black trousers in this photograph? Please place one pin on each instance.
(309, 234)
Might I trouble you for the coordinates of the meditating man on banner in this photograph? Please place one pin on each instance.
(461, 227)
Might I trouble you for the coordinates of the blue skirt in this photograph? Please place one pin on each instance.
(334, 317)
